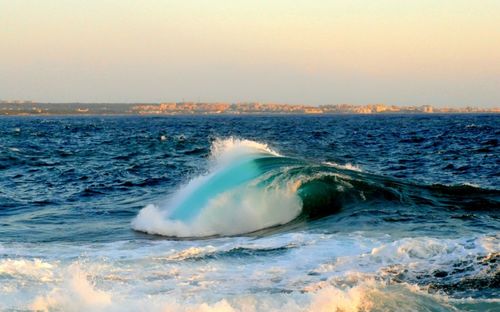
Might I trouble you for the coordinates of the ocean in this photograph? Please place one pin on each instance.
(250, 213)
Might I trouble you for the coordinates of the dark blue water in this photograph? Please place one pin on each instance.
(422, 209)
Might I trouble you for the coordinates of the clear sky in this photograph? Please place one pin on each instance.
(403, 52)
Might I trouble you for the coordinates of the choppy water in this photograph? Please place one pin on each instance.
(289, 213)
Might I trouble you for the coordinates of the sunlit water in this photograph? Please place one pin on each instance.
(288, 213)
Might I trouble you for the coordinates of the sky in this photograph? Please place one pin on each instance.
(411, 52)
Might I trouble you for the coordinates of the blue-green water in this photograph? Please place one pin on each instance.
(369, 213)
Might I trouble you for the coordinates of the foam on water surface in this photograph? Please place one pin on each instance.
(309, 272)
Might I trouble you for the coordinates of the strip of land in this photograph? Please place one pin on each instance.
(193, 108)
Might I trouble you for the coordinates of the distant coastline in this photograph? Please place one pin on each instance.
(19, 108)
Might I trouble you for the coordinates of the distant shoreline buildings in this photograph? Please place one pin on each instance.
(18, 107)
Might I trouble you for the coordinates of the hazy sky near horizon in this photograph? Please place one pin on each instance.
(444, 53)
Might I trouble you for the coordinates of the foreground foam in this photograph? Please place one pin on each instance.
(34, 268)
(366, 295)
(76, 294)
(310, 272)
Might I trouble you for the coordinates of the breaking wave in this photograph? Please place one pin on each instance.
(250, 187)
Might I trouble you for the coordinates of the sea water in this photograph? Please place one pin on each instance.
(250, 213)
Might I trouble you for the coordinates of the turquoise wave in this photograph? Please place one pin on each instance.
(250, 187)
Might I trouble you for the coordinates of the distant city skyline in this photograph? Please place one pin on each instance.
(18, 108)
(494, 108)
(439, 53)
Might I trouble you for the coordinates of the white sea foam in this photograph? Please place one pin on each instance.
(173, 275)
(34, 268)
(225, 151)
(368, 295)
(347, 166)
(75, 294)
(242, 210)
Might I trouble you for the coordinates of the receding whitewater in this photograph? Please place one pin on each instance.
(288, 213)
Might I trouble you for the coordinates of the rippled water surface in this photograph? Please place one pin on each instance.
(253, 213)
